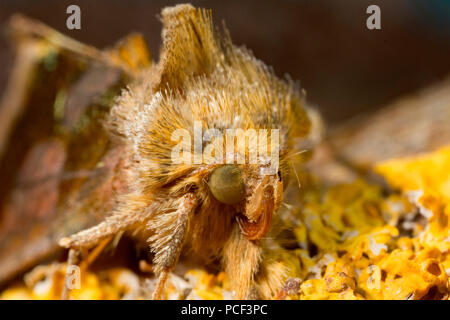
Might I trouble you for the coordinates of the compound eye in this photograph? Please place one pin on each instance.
(226, 184)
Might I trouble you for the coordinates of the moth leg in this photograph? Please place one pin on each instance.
(124, 218)
(73, 258)
(100, 234)
(241, 259)
(92, 236)
(162, 278)
(94, 253)
(272, 278)
(169, 234)
(131, 211)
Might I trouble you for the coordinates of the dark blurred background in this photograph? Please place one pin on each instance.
(345, 68)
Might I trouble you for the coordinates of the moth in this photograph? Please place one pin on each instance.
(218, 211)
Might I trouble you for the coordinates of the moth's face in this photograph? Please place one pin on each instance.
(256, 196)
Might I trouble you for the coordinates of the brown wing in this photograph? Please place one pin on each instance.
(60, 168)
(414, 124)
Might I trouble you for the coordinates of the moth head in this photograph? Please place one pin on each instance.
(255, 196)
(202, 77)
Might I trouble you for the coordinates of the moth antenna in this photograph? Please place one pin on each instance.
(296, 175)
(287, 205)
(296, 153)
